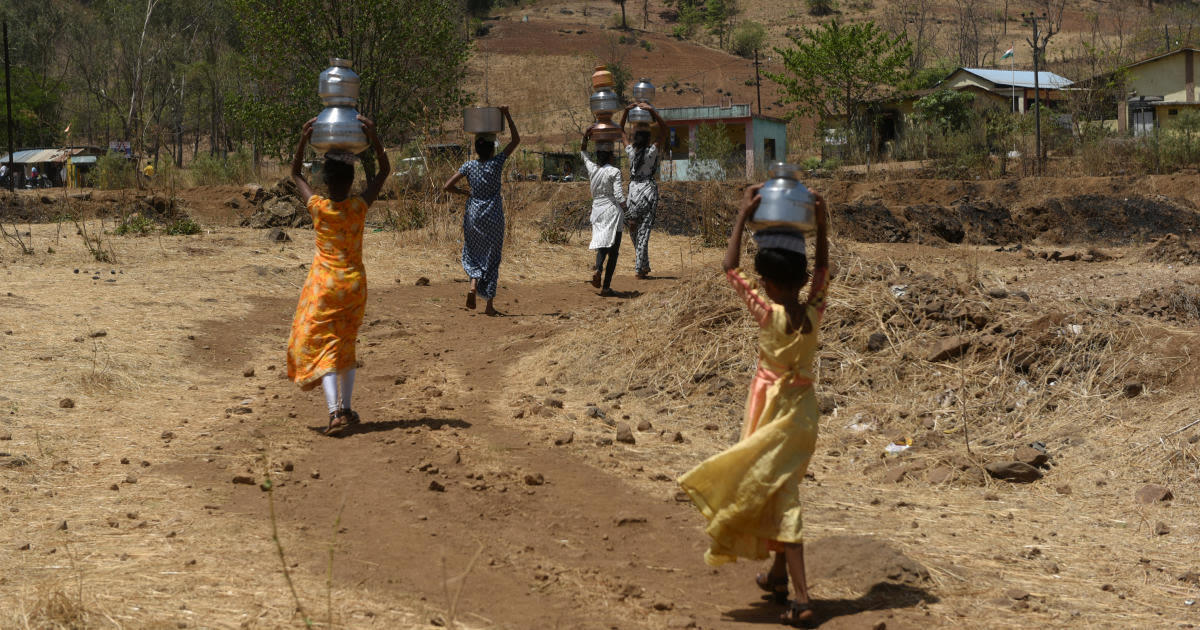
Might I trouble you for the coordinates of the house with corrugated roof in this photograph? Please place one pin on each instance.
(1012, 90)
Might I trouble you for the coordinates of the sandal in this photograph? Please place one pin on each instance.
(351, 416)
(778, 588)
(337, 421)
(471, 300)
(607, 293)
(797, 615)
(596, 280)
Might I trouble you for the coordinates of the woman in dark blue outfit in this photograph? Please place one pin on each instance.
(483, 222)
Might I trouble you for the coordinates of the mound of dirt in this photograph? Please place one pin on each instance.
(1082, 218)
(52, 205)
(1107, 218)
(870, 222)
(860, 563)
(1173, 249)
(1178, 303)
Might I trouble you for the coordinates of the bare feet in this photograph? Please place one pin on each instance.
(596, 279)
(471, 300)
(489, 309)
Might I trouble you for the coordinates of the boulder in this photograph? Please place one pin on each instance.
(948, 348)
(1018, 472)
(1153, 493)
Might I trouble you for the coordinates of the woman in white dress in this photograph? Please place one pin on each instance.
(643, 184)
(608, 207)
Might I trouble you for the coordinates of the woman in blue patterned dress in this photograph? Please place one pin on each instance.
(483, 221)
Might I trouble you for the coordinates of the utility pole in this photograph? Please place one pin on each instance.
(1030, 18)
(12, 176)
(757, 82)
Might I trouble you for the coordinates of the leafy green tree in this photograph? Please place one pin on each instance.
(715, 153)
(946, 109)
(411, 57)
(832, 70)
(748, 37)
(38, 82)
(718, 18)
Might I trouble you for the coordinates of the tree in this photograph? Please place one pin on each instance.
(617, 65)
(624, 26)
(411, 57)
(718, 18)
(918, 22)
(975, 44)
(945, 110)
(833, 70)
(748, 37)
(715, 153)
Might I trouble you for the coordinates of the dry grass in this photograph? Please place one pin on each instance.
(680, 359)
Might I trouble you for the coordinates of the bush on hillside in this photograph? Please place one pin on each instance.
(821, 7)
(748, 37)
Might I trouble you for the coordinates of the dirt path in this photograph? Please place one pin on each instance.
(584, 549)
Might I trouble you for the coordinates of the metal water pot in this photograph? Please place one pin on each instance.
(643, 91)
(640, 116)
(786, 203)
(337, 129)
(483, 120)
(338, 84)
(604, 101)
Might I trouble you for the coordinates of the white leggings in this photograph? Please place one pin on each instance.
(338, 387)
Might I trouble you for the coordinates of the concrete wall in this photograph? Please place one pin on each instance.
(1165, 119)
(761, 131)
(1164, 77)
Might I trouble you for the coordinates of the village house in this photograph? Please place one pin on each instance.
(1157, 91)
(1012, 90)
(761, 139)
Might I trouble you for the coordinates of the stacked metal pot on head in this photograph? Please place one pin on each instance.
(787, 204)
(604, 103)
(337, 129)
(643, 92)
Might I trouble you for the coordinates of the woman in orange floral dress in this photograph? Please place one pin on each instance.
(325, 327)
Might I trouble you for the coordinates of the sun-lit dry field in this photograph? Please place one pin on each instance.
(121, 509)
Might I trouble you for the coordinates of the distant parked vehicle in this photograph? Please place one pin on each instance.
(411, 172)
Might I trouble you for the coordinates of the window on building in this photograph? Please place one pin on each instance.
(769, 149)
(1172, 112)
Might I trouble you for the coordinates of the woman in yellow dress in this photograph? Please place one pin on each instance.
(750, 493)
(325, 327)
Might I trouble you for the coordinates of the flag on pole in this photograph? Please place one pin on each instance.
(1007, 54)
